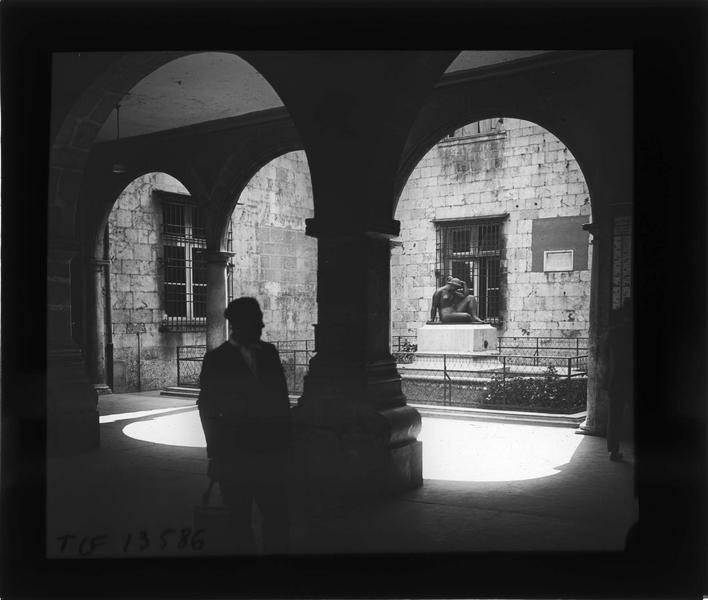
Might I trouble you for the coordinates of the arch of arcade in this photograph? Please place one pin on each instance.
(362, 132)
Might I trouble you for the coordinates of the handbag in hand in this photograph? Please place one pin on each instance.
(214, 521)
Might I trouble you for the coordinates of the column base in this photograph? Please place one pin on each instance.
(348, 468)
(72, 404)
(586, 428)
(102, 389)
(72, 433)
(351, 451)
(405, 467)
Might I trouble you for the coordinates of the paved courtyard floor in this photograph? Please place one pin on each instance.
(487, 487)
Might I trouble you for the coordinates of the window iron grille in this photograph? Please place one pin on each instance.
(185, 263)
(472, 252)
(230, 264)
(185, 267)
(485, 127)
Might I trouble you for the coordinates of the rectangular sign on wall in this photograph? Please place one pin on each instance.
(558, 260)
(621, 261)
(563, 235)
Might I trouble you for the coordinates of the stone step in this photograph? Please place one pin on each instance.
(192, 392)
(506, 416)
(448, 412)
(180, 392)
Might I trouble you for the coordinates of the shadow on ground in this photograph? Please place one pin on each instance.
(134, 497)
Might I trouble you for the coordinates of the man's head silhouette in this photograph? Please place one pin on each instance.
(245, 318)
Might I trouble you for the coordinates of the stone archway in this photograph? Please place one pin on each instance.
(485, 204)
(123, 284)
(76, 218)
(567, 94)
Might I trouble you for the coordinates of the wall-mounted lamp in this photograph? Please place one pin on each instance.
(118, 168)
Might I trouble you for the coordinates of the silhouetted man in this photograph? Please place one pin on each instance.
(245, 413)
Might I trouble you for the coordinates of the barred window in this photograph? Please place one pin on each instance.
(471, 250)
(184, 262)
(481, 128)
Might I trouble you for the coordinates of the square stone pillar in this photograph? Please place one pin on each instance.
(600, 304)
(217, 330)
(72, 402)
(96, 324)
(356, 433)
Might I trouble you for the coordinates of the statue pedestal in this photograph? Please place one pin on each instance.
(457, 338)
(460, 354)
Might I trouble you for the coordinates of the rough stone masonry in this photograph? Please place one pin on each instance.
(522, 170)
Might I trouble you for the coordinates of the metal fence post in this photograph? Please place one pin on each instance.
(444, 378)
(504, 378)
(536, 359)
(567, 399)
(296, 354)
(140, 383)
(179, 377)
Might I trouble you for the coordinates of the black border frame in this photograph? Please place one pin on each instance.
(669, 43)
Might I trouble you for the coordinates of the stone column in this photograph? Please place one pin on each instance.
(72, 415)
(217, 331)
(96, 321)
(353, 426)
(596, 418)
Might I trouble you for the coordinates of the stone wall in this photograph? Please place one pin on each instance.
(135, 251)
(274, 261)
(520, 169)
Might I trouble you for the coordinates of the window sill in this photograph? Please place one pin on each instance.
(182, 326)
(467, 139)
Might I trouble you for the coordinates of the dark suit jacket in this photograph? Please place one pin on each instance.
(239, 410)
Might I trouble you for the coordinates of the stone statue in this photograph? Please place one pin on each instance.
(454, 303)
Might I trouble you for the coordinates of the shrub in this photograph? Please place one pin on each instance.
(405, 353)
(549, 392)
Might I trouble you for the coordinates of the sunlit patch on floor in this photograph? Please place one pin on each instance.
(479, 451)
(452, 450)
(136, 415)
(184, 429)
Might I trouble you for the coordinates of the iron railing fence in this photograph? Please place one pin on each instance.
(547, 382)
(541, 345)
(461, 365)
(522, 378)
(283, 345)
(295, 362)
(404, 343)
(402, 346)
(295, 365)
(511, 344)
(189, 365)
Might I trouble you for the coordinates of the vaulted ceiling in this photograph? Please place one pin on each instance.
(216, 85)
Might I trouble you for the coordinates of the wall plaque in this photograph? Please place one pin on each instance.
(135, 328)
(621, 261)
(558, 260)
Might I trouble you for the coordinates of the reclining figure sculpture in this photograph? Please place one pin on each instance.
(454, 303)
